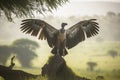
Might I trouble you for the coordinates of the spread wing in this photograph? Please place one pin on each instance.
(77, 32)
(41, 29)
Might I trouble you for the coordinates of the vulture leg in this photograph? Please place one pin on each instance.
(59, 48)
(64, 42)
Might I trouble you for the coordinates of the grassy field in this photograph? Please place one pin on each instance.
(108, 75)
(107, 65)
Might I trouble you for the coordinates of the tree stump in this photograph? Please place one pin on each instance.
(56, 69)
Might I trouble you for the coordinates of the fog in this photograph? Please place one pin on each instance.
(23, 49)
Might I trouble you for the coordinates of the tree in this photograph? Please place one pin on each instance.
(91, 65)
(4, 53)
(22, 8)
(111, 14)
(23, 48)
(112, 53)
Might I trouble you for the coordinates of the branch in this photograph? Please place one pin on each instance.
(25, 8)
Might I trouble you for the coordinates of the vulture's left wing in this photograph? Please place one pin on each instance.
(41, 29)
(77, 32)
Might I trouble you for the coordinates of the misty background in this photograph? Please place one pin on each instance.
(98, 53)
(109, 33)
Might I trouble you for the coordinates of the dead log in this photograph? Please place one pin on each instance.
(9, 74)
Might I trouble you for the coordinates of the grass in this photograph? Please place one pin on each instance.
(108, 75)
(107, 66)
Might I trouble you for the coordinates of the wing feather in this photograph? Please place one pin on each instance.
(39, 28)
(77, 32)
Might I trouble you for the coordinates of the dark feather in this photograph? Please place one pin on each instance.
(77, 32)
(34, 26)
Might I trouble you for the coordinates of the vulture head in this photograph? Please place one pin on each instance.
(63, 25)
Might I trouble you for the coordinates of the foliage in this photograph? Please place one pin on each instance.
(112, 53)
(91, 65)
(22, 8)
(25, 43)
(24, 49)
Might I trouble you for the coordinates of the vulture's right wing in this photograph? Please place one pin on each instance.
(77, 32)
(40, 28)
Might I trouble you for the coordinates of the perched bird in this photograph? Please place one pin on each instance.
(62, 39)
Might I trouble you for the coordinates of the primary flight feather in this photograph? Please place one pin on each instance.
(61, 39)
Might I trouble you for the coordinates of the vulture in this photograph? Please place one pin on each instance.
(60, 40)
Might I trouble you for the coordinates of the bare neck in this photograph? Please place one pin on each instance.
(62, 30)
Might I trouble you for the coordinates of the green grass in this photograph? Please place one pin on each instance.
(108, 75)
(107, 66)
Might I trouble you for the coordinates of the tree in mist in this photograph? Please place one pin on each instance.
(21, 8)
(4, 53)
(111, 14)
(91, 65)
(24, 49)
(112, 53)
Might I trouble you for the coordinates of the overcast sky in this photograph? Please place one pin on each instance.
(95, 0)
(88, 7)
